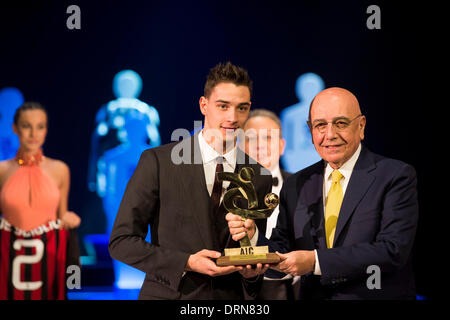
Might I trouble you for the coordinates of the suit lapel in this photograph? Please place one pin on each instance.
(309, 208)
(196, 186)
(359, 183)
(285, 174)
(193, 177)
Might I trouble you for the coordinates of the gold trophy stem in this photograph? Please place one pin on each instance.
(246, 254)
(245, 241)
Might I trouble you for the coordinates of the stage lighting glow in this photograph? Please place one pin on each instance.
(10, 99)
(102, 129)
(125, 127)
(118, 121)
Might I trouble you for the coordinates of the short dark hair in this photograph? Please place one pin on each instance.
(29, 105)
(227, 72)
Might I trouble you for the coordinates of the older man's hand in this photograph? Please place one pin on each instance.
(239, 228)
(296, 263)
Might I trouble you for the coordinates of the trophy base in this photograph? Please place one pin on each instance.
(247, 255)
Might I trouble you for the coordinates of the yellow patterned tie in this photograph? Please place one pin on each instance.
(332, 207)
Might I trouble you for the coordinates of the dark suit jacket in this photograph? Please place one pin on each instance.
(270, 273)
(174, 201)
(285, 174)
(376, 226)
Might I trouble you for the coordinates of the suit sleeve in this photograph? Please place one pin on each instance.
(393, 243)
(138, 209)
(282, 236)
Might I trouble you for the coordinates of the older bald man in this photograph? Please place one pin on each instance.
(347, 223)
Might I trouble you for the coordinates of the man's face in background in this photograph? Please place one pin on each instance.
(263, 141)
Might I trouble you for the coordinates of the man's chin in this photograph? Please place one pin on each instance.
(334, 159)
(229, 140)
(229, 136)
(265, 163)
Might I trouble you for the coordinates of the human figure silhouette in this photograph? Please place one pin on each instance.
(110, 120)
(10, 99)
(122, 129)
(300, 152)
(115, 168)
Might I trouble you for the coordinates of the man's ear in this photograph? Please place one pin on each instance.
(310, 130)
(203, 102)
(282, 146)
(362, 126)
(14, 128)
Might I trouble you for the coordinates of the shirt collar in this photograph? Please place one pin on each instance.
(276, 172)
(347, 168)
(209, 154)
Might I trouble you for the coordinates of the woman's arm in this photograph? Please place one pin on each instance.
(68, 219)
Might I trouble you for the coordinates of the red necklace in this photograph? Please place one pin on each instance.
(26, 159)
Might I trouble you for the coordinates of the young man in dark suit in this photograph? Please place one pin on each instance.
(347, 223)
(174, 189)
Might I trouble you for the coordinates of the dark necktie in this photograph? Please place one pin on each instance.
(217, 188)
(275, 181)
(220, 224)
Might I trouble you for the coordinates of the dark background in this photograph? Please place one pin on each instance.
(172, 45)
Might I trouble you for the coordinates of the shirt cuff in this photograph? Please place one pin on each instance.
(254, 240)
(317, 271)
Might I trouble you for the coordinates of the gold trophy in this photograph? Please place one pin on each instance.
(246, 254)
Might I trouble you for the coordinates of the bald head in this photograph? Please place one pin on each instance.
(336, 94)
(336, 124)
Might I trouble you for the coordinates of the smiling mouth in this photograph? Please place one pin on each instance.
(229, 129)
(334, 146)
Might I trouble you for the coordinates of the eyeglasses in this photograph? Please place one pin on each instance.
(339, 124)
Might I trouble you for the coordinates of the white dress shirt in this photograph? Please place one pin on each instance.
(346, 170)
(209, 158)
(272, 220)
